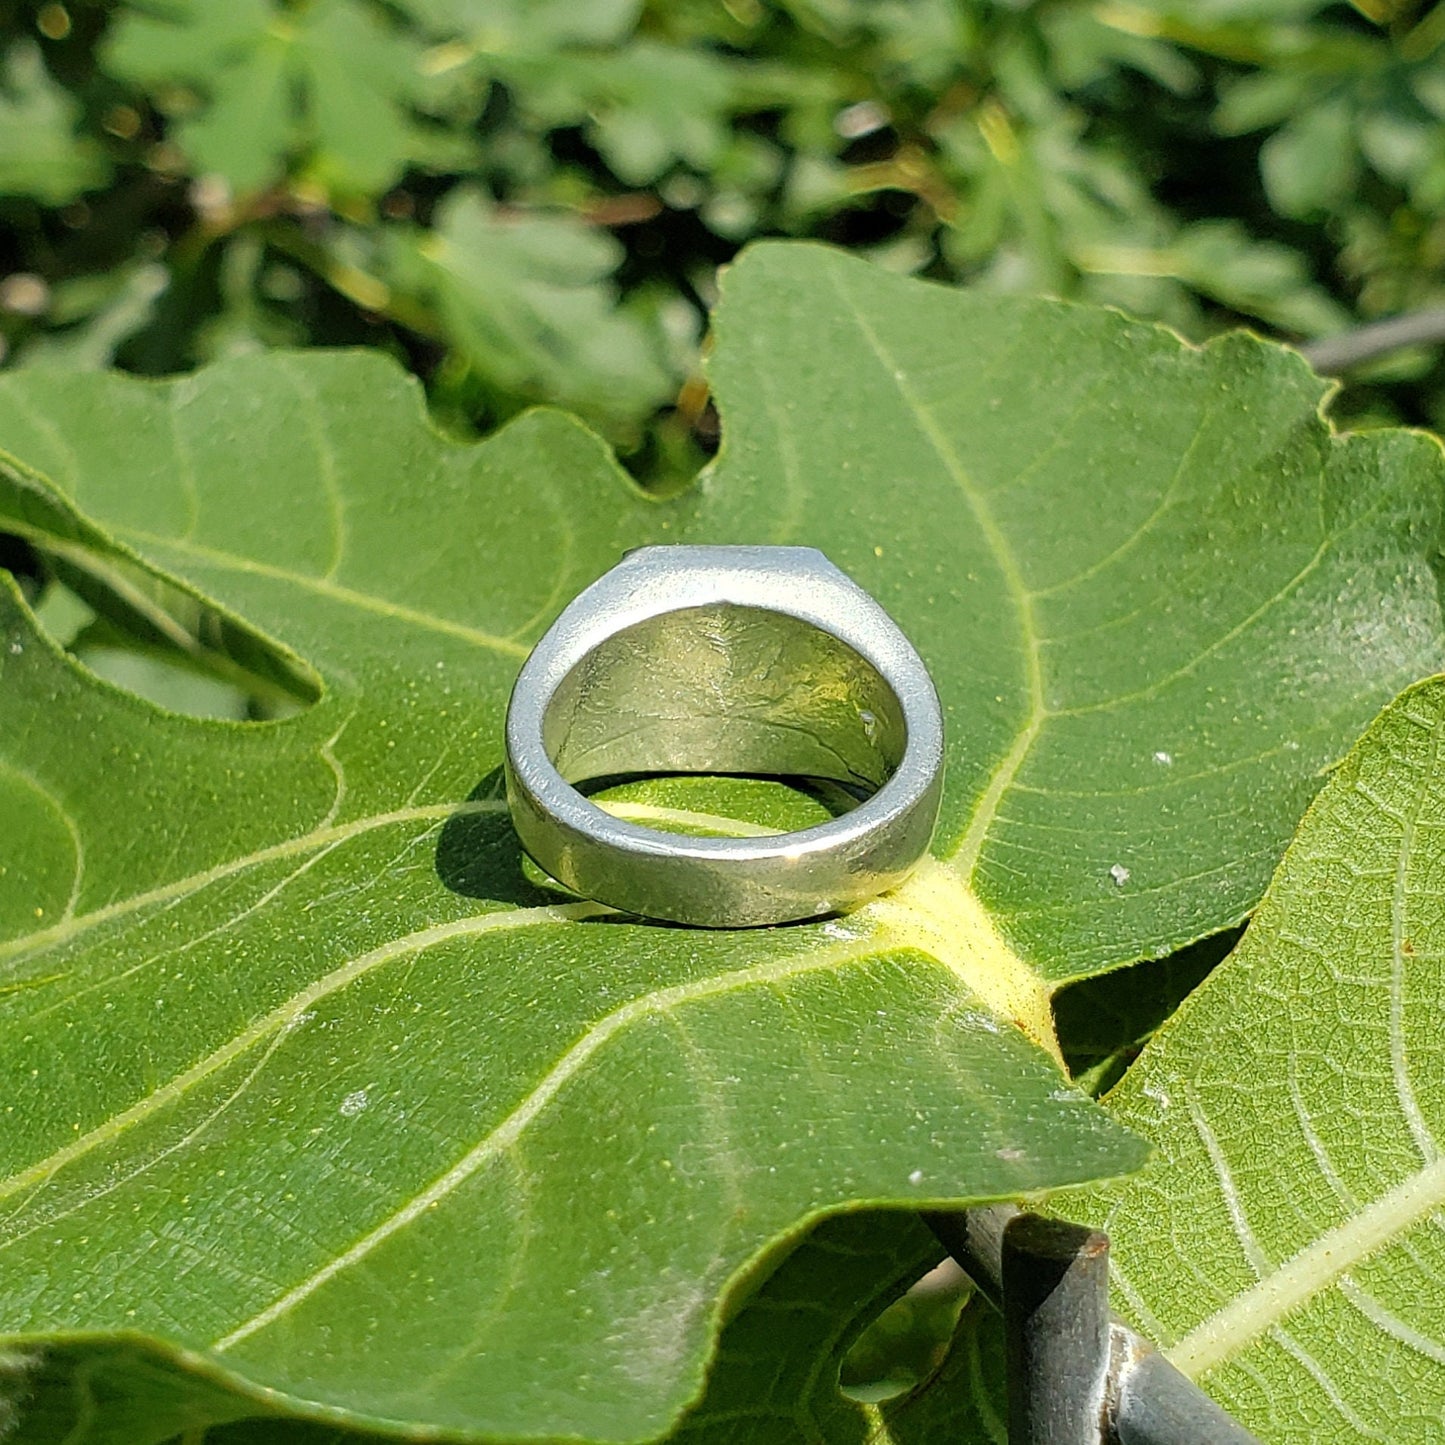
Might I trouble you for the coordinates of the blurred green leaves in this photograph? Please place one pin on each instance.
(526, 299)
(254, 86)
(462, 181)
(500, 27)
(40, 153)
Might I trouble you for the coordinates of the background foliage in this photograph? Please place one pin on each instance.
(529, 201)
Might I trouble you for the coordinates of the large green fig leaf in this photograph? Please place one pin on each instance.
(1158, 595)
(1287, 1243)
(311, 1095)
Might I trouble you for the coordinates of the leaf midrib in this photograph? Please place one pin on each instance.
(965, 856)
(1306, 1274)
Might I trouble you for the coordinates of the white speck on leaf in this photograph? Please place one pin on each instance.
(1163, 758)
(353, 1104)
(1009, 1155)
(1120, 874)
(916, 1177)
(1158, 1093)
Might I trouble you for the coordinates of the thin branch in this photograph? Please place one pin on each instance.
(1056, 1330)
(1146, 1401)
(1334, 354)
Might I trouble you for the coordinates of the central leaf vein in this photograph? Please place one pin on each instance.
(966, 855)
(510, 1130)
(1316, 1267)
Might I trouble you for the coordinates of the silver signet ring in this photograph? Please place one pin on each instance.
(741, 660)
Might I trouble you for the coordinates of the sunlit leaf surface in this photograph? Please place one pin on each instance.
(310, 1089)
(1288, 1242)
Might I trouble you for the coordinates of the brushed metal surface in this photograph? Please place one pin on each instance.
(756, 660)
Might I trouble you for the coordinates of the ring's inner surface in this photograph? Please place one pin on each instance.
(725, 689)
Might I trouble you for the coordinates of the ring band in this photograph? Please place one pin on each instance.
(741, 660)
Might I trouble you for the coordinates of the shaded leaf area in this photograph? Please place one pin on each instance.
(776, 1377)
(1103, 1022)
(1297, 1101)
(116, 1388)
(905, 1345)
(316, 1077)
(965, 1403)
(780, 1360)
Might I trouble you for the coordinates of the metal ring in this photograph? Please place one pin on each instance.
(744, 660)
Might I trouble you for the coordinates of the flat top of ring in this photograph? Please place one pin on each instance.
(783, 567)
(786, 558)
(799, 581)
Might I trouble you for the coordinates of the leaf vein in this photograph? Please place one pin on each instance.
(327, 469)
(336, 591)
(45, 939)
(1391, 1323)
(284, 1015)
(1166, 498)
(1322, 1378)
(1399, 1064)
(501, 1138)
(1315, 1268)
(966, 855)
(76, 842)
